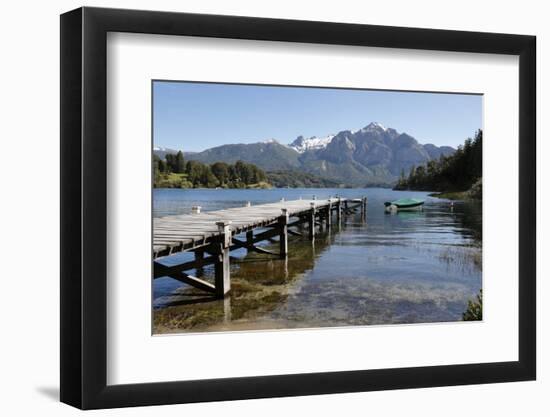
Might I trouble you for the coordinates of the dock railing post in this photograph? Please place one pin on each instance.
(363, 208)
(311, 221)
(222, 271)
(283, 233)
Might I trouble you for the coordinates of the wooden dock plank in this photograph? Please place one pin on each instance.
(188, 231)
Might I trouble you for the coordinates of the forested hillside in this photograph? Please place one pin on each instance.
(297, 179)
(369, 156)
(457, 172)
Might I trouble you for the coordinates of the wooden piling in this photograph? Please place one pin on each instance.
(283, 233)
(311, 221)
(249, 240)
(328, 219)
(199, 258)
(221, 268)
(339, 211)
(211, 240)
(227, 310)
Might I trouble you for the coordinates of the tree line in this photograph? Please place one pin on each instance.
(175, 172)
(297, 179)
(456, 172)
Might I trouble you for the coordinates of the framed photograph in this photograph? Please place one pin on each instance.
(257, 208)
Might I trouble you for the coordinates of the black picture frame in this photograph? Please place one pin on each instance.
(84, 207)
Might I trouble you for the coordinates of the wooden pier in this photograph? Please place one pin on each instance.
(212, 235)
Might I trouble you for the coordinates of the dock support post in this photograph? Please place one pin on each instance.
(199, 257)
(311, 221)
(222, 270)
(329, 215)
(227, 310)
(339, 211)
(283, 233)
(364, 208)
(249, 240)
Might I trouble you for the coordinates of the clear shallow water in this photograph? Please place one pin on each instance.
(409, 267)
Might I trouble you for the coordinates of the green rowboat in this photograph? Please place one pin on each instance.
(404, 204)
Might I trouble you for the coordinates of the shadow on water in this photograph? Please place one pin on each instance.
(259, 284)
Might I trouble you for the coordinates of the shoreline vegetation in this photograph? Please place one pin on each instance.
(474, 193)
(474, 312)
(175, 172)
(298, 179)
(455, 177)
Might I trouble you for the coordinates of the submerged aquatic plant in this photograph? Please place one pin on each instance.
(465, 257)
(475, 309)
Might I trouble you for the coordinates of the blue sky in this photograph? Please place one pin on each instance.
(197, 116)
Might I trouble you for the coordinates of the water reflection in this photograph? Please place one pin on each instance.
(407, 267)
(259, 284)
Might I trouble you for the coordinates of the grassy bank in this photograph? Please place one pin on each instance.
(474, 193)
(452, 195)
(174, 180)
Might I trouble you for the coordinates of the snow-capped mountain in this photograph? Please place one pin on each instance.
(374, 154)
(161, 151)
(374, 127)
(270, 141)
(302, 144)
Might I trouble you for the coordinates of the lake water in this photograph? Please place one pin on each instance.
(407, 267)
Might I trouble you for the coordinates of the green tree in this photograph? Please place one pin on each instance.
(242, 172)
(193, 169)
(221, 171)
(170, 161)
(156, 170)
(162, 166)
(456, 172)
(179, 163)
(207, 178)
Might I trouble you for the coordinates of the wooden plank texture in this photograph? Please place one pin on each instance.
(190, 231)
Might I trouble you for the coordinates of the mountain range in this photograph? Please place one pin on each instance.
(371, 155)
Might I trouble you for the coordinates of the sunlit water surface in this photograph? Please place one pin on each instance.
(409, 267)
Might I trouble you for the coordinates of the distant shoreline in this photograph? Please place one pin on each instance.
(389, 187)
